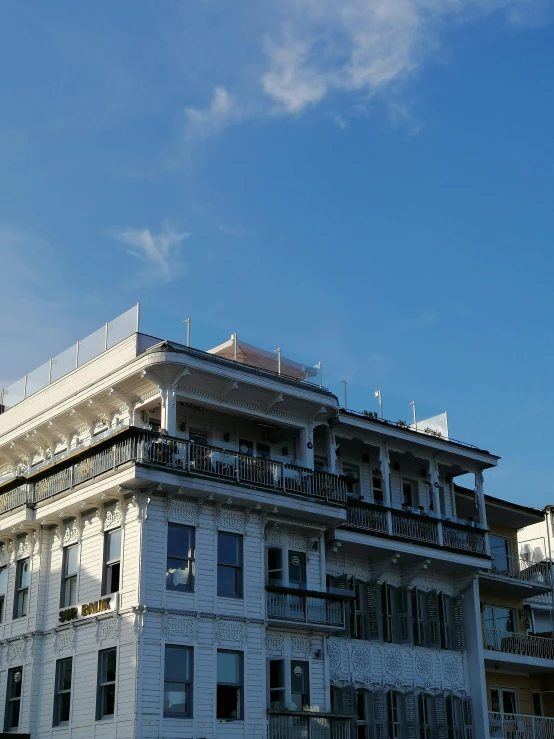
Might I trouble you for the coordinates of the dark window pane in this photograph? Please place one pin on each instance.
(228, 582)
(229, 549)
(65, 675)
(228, 702)
(16, 682)
(109, 700)
(65, 706)
(114, 545)
(71, 560)
(228, 667)
(179, 541)
(108, 666)
(177, 664)
(3, 580)
(14, 715)
(113, 578)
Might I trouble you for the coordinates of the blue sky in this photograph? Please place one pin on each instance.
(368, 183)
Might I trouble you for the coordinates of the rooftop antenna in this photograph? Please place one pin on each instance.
(345, 403)
(412, 403)
(187, 321)
(278, 353)
(380, 399)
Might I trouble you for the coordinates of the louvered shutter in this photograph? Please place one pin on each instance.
(418, 619)
(440, 717)
(433, 628)
(459, 637)
(389, 604)
(342, 582)
(379, 714)
(467, 718)
(409, 717)
(373, 601)
(446, 619)
(348, 700)
(404, 609)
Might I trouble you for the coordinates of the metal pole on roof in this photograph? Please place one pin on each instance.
(50, 371)
(25, 388)
(320, 375)
(235, 342)
(77, 355)
(380, 399)
(412, 403)
(278, 352)
(187, 321)
(106, 337)
(345, 403)
(138, 316)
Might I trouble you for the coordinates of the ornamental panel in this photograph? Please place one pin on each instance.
(107, 629)
(65, 639)
(299, 646)
(275, 644)
(231, 520)
(70, 532)
(230, 632)
(274, 536)
(113, 517)
(23, 547)
(180, 627)
(182, 511)
(17, 651)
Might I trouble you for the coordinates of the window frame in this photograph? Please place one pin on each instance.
(110, 563)
(102, 686)
(64, 601)
(239, 685)
(19, 591)
(501, 690)
(190, 560)
(239, 569)
(189, 684)
(12, 700)
(56, 721)
(303, 663)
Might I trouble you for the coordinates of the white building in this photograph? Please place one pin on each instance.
(274, 567)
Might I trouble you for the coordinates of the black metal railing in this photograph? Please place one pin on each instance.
(303, 725)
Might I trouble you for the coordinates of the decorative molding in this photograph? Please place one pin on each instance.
(17, 650)
(107, 629)
(23, 548)
(299, 646)
(113, 517)
(230, 631)
(65, 639)
(275, 643)
(451, 671)
(181, 510)
(71, 532)
(273, 535)
(4, 555)
(335, 660)
(424, 666)
(297, 542)
(179, 626)
(230, 520)
(360, 659)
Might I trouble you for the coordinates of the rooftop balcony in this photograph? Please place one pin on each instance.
(412, 526)
(306, 605)
(518, 578)
(303, 725)
(520, 645)
(520, 725)
(176, 455)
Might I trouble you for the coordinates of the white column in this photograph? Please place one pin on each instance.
(434, 481)
(385, 475)
(168, 410)
(475, 660)
(306, 443)
(331, 451)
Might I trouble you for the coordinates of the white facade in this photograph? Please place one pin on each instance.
(327, 587)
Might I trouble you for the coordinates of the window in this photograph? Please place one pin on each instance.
(357, 626)
(62, 694)
(393, 715)
(180, 558)
(377, 483)
(425, 709)
(277, 684)
(229, 685)
(299, 685)
(361, 715)
(105, 693)
(537, 704)
(246, 447)
(22, 582)
(263, 451)
(500, 553)
(197, 437)
(178, 673)
(442, 500)
(275, 565)
(504, 700)
(351, 474)
(229, 565)
(498, 620)
(13, 698)
(297, 569)
(409, 493)
(3, 587)
(112, 561)
(70, 567)
(320, 463)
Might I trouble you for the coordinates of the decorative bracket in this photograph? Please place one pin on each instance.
(410, 572)
(379, 567)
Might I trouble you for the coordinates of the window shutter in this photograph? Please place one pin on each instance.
(440, 717)
(404, 615)
(446, 618)
(467, 718)
(459, 637)
(418, 617)
(379, 714)
(433, 629)
(342, 582)
(348, 700)
(389, 605)
(373, 601)
(410, 718)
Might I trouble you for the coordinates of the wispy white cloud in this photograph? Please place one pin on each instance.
(205, 121)
(362, 47)
(160, 252)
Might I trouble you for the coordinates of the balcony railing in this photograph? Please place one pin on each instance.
(520, 726)
(414, 526)
(300, 725)
(307, 609)
(537, 573)
(178, 454)
(523, 645)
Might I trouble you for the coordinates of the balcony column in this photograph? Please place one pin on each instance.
(306, 451)
(331, 451)
(168, 410)
(475, 660)
(480, 495)
(434, 495)
(384, 463)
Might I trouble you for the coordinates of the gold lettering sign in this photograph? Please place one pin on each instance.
(87, 609)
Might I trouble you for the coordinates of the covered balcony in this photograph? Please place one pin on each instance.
(304, 725)
(307, 606)
(518, 645)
